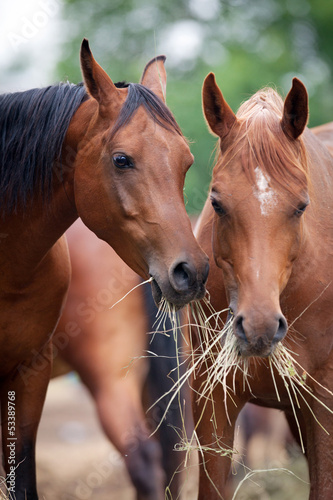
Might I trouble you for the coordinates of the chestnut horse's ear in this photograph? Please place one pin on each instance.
(296, 110)
(154, 76)
(218, 113)
(97, 82)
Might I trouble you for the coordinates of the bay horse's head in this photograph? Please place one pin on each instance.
(129, 176)
(259, 193)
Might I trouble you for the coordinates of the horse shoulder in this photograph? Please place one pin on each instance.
(39, 303)
(57, 266)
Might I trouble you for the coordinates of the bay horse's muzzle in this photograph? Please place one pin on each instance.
(183, 276)
(185, 282)
(258, 335)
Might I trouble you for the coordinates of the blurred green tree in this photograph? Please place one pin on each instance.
(248, 44)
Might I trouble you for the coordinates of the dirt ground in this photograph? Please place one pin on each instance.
(74, 459)
(76, 462)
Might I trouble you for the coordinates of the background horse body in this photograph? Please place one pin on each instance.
(103, 153)
(325, 134)
(271, 266)
(107, 346)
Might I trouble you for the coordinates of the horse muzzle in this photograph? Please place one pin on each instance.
(258, 334)
(184, 283)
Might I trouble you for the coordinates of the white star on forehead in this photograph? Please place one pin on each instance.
(264, 194)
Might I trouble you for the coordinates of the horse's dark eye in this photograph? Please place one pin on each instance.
(217, 207)
(122, 161)
(300, 209)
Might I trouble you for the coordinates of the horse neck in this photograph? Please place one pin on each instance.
(321, 176)
(31, 232)
(314, 257)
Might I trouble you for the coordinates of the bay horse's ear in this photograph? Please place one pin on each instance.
(154, 76)
(296, 110)
(218, 113)
(97, 82)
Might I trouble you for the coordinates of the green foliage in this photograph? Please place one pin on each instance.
(248, 44)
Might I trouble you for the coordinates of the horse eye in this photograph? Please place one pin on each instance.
(217, 207)
(300, 209)
(122, 161)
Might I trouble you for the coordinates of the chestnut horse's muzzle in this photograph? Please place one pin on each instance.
(258, 334)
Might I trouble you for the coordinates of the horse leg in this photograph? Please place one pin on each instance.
(102, 356)
(295, 430)
(121, 415)
(216, 437)
(320, 450)
(164, 367)
(22, 398)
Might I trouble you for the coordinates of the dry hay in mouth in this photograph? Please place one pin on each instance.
(217, 355)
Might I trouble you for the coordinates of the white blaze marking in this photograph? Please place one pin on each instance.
(265, 194)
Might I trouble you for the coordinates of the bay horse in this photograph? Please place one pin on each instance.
(267, 227)
(107, 344)
(115, 156)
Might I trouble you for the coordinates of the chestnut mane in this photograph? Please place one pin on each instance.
(262, 142)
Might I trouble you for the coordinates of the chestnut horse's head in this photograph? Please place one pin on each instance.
(259, 193)
(129, 176)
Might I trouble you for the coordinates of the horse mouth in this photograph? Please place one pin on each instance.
(157, 292)
(176, 299)
(258, 350)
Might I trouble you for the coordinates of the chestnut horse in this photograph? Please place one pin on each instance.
(114, 156)
(268, 229)
(106, 343)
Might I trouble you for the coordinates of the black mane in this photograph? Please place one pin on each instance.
(33, 125)
(140, 95)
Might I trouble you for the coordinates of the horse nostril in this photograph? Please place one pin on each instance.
(183, 277)
(282, 329)
(239, 327)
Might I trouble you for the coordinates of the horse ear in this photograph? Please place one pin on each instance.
(218, 113)
(154, 76)
(296, 110)
(97, 82)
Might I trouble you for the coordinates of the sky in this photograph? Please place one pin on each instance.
(29, 32)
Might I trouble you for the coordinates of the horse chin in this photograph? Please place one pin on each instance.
(158, 297)
(177, 300)
(157, 292)
(258, 350)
